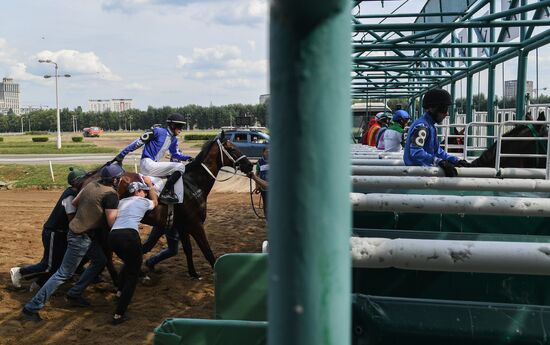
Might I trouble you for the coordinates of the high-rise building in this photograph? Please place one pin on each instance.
(511, 88)
(115, 105)
(9, 96)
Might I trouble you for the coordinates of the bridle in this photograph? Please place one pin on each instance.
(224, 153)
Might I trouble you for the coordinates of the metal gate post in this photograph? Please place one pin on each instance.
(491, 82)
(309, 299)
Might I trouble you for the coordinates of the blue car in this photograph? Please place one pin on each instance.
(249, 142)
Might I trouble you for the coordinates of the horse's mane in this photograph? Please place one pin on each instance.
(202, 154)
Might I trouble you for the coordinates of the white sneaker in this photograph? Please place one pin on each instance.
(34, 286)
(15, 276)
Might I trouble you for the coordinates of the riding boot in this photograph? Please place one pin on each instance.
(168, 195)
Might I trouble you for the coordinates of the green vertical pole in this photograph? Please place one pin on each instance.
(310, 214)
(469, 84)
(452, 108)
(522, 71)
(491, 82)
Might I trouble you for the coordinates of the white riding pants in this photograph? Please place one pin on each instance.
(159, 169)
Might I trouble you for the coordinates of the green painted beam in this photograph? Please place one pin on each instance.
(407, 27)
(404, 15)
(309, 299)
(415, 46)
(419, 58)
(491, 81)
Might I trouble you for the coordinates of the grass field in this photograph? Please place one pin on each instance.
(39, 176)
(50, 147)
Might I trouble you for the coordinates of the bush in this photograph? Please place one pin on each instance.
(77, 139)
(39, 139)
(199, 136)
(1, 139)
(36, 133)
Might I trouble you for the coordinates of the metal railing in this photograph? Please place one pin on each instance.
(478, 145)
(500, 138)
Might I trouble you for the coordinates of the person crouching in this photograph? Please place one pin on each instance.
(125, 242)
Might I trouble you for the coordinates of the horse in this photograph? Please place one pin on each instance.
(457, 139)
(188, 217)
(488, 157)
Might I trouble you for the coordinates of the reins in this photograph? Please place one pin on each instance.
(252, 202)
(223, 153)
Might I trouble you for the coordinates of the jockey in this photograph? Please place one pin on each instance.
(382, 120)
(422, 146)
(157, 141)
(392, 140)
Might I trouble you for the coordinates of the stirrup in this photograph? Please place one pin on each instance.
(169, 197)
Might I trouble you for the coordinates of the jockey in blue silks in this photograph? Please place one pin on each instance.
(422, 145)
(156, 142)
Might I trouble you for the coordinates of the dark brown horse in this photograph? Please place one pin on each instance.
(488, 157)
(189, 217)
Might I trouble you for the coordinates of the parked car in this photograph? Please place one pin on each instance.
(92, 132)
(249, 141)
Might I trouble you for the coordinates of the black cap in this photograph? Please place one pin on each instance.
(436, 97)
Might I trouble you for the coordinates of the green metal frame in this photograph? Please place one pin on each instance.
(412, 58)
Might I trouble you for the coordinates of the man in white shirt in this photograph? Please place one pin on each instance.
(125, 242)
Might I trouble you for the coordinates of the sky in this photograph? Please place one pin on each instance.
(160, 52)
(157, 52)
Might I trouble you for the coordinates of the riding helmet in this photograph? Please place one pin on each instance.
(74, 174)
(382, 115)
(436, 97)
(111, 171)
(176, 118)
(400, 114)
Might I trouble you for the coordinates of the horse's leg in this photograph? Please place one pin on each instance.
(188, 250)
(200, 237)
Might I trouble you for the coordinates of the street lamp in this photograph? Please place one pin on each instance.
(56, 97)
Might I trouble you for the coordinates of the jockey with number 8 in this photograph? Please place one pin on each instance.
(157, 141)
(422, 145)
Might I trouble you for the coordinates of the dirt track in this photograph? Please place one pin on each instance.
(231, 226)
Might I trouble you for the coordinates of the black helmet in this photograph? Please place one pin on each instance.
(176, 118)
(436, 97)
(111, 171)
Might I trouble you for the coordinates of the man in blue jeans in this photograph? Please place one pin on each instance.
(54, 236)
(96, 202)
(172, 239)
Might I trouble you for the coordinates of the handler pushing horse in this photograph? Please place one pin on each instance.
(95, 203)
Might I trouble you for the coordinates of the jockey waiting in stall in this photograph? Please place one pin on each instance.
(422, 146)
(393, 139)
(157, 140)
(371, 136)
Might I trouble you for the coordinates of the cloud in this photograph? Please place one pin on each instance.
(137, 87)
(11, 66)
(78, 63)
(251, 13)
(220, 62)
(133, 6)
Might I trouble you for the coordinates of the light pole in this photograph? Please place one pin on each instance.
(56, 98)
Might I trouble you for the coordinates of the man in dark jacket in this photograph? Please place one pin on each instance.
(54, 236)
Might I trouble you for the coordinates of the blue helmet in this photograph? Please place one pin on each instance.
(111, 171)
(401, 114)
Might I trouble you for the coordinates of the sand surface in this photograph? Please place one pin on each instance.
(231, 226)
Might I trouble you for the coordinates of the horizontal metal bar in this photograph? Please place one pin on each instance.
(451, 256)
(405, 27)
(412, 69)
(522, 155)
(420, 58)
(404, 15)
(451, 204)
(456, 183)
(404, 47)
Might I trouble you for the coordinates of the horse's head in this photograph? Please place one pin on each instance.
(235, 157)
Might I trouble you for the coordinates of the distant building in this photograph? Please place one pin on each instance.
(115, 105)
(264, 99)
(9, 96)
(30, 108)
(511, 88)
